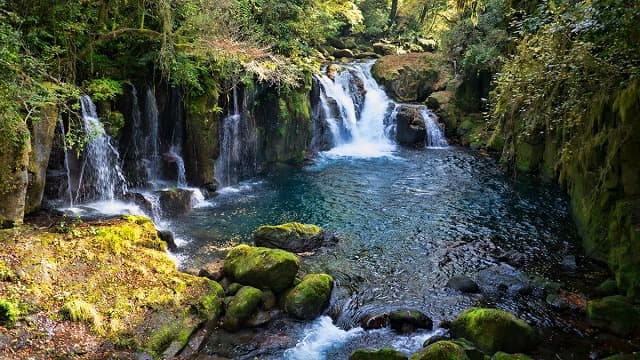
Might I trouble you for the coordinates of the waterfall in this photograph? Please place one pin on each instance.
(66, 162)
(435, 136)
(356, 109)
(152, 160)
(237, 158)
(101, 177)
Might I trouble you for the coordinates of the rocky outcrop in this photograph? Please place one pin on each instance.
(410, 125)
(494, 330)
(175, 202)
(261, 267)
(310, 297)
(409, 78)
(14, 164)
(202, 123)
(294, 237)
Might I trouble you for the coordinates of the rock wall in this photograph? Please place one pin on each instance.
(14, 162)
(42, 132)
(202, 144)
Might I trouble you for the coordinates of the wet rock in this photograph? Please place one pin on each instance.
(212, 270)
(167, 236)
(503, 280)
(309, 298)
(382, 354)
(139, 199)
(473, 353)
(232, 289)
(514, 258)
(258, 319)
(569, 263)
(410, 125)
(504, 356)
(434, 339)
(407, 321)
(262, 267)
(463, 284)
(441, 350)
(494, 330)
(241, 307)
(377, 321)
(567, 301)
(294, 237)
(615, 314)
(269, 300)
(176, 202)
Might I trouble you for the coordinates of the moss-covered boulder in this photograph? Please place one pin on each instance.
(241, 307)
(504, 356)
(262, 267)
(614, 313)
(293, 236)
(408, 78)
(407, 320)
(309, 298)
(442, 350)
(382, 354)
(494, 330)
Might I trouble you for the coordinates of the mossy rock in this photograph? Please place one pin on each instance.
(262, 267)
(382, 354)
(9, 312)
(473, 353)
(292, 236)
(608, 287)
(504, 356)
(209, 307)
(494, 330)
(244, 303)
(442, 350)
(309, 298)
(614, 313)
(83, 312)
(406, 321)
(408, 78)
(634, 356)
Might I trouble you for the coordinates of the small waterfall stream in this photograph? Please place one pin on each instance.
(152, 160)
(101, 177)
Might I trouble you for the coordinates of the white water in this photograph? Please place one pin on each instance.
(319, 339)
(152, 160)
(101, 177)
(237, 146)
(360, 136)
(435, 137)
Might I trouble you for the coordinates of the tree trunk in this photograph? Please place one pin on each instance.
(393, 13)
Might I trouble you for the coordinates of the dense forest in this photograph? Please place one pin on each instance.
(549, 89)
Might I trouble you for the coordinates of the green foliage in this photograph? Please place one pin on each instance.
(103, 89)
(9, 312)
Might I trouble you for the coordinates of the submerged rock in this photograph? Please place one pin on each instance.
(494, 330)
(503, 280)
(407, 321)
(377, 321)
(382, 354)
(615, 314)
(293, 236)
(441, 350)
(463, 284)
(308, 299)
(262, 267)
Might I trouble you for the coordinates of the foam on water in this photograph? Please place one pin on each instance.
(319, 338)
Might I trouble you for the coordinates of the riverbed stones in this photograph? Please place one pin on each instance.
(262, 267)
(408, 320)
(382, 354)
(615, 314)
(293, 236)
(310, 297)
(494, 330)
(441, 350)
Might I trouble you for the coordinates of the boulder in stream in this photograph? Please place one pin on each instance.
(494, 330)
(407, 321)
(309, 298)
(441, 350)
(262, 267)
(293, 236)
(463, 284)
(410, 125)
(241, 306)
(176, 202)
(615, 314)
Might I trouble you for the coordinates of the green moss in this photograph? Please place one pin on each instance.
(163, 337)
(442, 350)
(504, 356)
(9, 312)
(84, 312)
(615, 314)
(262, 267)
(209, 306)
(494, 330)
(6, 274)
(310, 297)
(287, 232)
(243, 304)
(382, 354)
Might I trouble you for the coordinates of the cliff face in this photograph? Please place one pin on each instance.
(597, 163)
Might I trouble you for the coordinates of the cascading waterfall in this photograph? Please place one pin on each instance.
(101, 177)
(361, 117)
(152, 160)
(237, 158)
(435, 136)
(355, 108)
(66, 162)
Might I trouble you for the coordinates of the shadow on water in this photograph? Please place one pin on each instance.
(407, 224)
